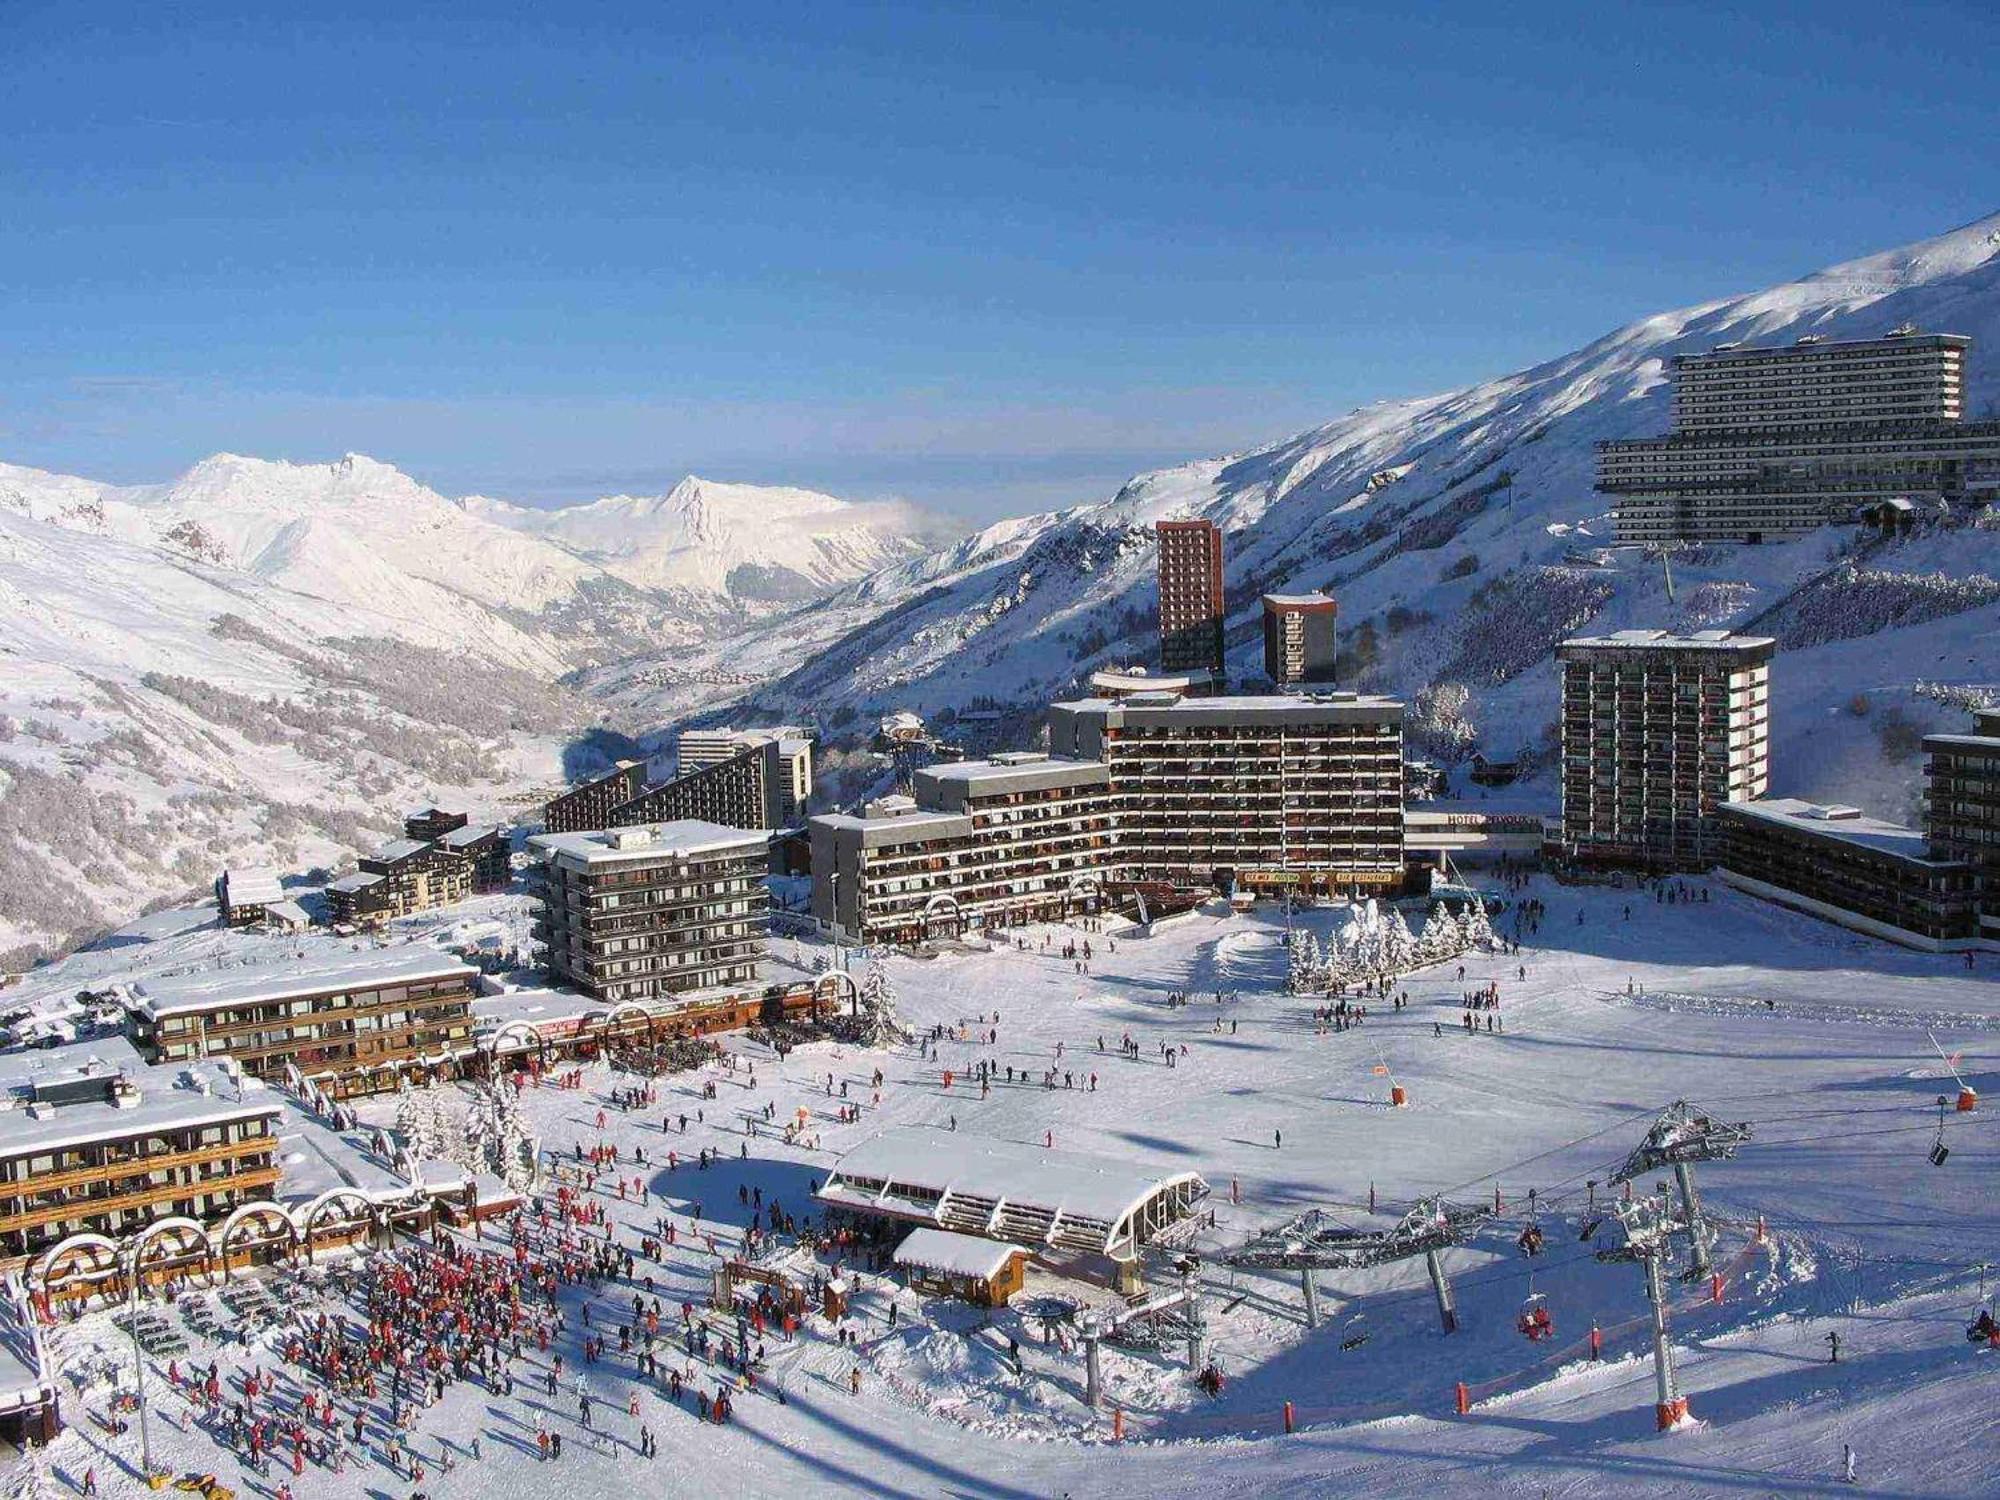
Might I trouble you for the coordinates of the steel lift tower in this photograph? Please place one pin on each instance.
(1680, 1137)
(1315, 1241)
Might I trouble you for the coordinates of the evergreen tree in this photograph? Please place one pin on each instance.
(880, 1023)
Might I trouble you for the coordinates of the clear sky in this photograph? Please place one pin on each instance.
(991, 257)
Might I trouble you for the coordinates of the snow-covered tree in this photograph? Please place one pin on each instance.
(1478, 930)
(1399, 948)
(1305, 968)
(880, 1023)
(420, 1128)
(1441, 938)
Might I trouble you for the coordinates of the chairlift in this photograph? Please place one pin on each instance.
(1939, 1150)
(1535, 1321)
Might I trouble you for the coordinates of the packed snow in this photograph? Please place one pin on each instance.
(1618, 1002)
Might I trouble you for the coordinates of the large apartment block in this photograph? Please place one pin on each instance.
(1658, 731)
(92, 1139)
(1191, 596)
(1772, 441)
(1835, 862)
(1962, 810)
(793, 785)
(354, 1024)
(1017, 838)
(749, 789)
(1299, 639)
(588, 805)
(654, 910)
(1265, 793)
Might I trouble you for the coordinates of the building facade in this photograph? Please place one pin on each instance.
(1875, 877)
(1191, 596)
(1264, 793)
(92, 1140)
(356, 1024)
(589, 804)
(1014, 839)
(244, 896)
(1773, 441)
(404, 876)
(1962, 810)
(1658, 731)
(1298, 639)
(658, 909)
(749, 789)
(792, 785)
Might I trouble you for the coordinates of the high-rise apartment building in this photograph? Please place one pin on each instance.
(1772, 441)
(660, 909)
(1658, 731)
(699, 748)
(1298, 638)
(1962, 810)
(588, 805)
(1191, 598)
(1260, 793)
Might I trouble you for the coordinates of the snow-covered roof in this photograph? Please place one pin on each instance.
(215, 989)
(646, 841)
(358, 880)
(1003, 1187)
(170, 1096)
(253, 885)
(288, 912)
(1849, 825)
(1700, 640)
(397, 849)
(459, 838)
(948, 1254)
(1299, 601)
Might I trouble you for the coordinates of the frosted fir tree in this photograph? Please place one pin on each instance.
(1399, 948)
(1305, 969)
(1441, 938)
(418, 1127)
(1365, 955)
(507, 1148)
(1478, 930)
(880, 1023)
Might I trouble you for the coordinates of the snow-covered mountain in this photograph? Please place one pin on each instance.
(265, 660)
(1462, 537)
(746, 544)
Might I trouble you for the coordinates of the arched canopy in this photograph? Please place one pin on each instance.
(1009, 1190)
(523, 1032)
(102, 1264)
(273, 1221)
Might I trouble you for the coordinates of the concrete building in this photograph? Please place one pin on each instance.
(1018, 838)
(1263, 793)
(588, 804)
(1962, 810)
(94, 1140)
(1834, 862)
(1191, 596)
(1658, 731)
(751, 789)
(244, 896)
(698, 749)
(1772, 441)
(403, 877)
(1298, 638)
(1123, 682)
(355, 1024)
(658, 909)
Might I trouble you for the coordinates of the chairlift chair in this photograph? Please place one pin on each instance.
(1535, 1321)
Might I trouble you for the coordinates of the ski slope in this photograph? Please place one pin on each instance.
(1835, 1075)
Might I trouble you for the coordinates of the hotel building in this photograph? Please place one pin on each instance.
(1298, 639)
(352, 1024)
(658, 909)
(92, 1139)
(1962, 810)
(1017, 838)
(1191, 596)
(1772, 441)
(1658, 731)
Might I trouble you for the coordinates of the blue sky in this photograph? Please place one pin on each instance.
(991, 258)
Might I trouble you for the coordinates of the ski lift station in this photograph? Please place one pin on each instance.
(1095, 1211)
